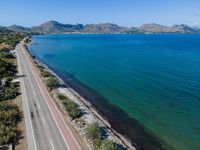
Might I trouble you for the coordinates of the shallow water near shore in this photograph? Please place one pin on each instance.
(146, 85)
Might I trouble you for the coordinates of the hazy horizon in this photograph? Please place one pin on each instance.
(96, 23)
(129, 13)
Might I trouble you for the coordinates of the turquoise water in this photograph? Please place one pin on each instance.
(154, 79)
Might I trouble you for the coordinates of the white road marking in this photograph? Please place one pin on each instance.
(39, 107)
(22, 80)
(43, 121)
(46, 100)
(52, 145)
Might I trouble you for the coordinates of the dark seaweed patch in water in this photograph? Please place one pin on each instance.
(118, 118)
(48, 56)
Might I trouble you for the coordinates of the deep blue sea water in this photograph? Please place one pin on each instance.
(153, 79)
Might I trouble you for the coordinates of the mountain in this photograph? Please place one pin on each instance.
(104, 28)
(4, 30)
(17, 28)
(54, 27)
(185, 29)
(156, 28)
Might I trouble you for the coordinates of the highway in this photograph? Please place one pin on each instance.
(45, 127)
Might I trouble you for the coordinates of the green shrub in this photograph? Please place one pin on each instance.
(9, 117)
(9, 78)
(71, 107)
(40, 67)
(52, 83)
(61, 97)
(9, 113)
(6, 55)
(7, 134)
(93, 131)
(28, 40)
(108, 145)
(75, 112)
(11, 38)
(6, 69)
(97, 143)
(9, 92)
(45, 74)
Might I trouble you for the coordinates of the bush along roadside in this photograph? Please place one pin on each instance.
(50, 80)
(93, 131)
(10, 91)
(52, 83)
(10, 114)
(72, 108)
(95, 134)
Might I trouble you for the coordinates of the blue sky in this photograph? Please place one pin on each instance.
(122, 12)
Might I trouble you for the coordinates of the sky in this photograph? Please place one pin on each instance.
(122, 12)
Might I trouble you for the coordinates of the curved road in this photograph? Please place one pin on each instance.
(45, 127)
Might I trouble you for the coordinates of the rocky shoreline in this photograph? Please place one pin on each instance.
(116, 119)
(88, 108)
(91, 114)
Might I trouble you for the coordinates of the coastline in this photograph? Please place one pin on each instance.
(140, 138)
(84, 103)
(69, 91)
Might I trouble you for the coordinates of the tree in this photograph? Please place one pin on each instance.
(6, 69)
(72, 108)
(62, 97)
(6, 55)
(10, 91)
(52, 83)
(108, 145)
(75, 112)
(93, 131)
(10, 113)
(46, 74)
(7, 134)
(9, 116)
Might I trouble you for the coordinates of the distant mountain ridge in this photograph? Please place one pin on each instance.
(18, 28)
(156, 28)
(54, 27)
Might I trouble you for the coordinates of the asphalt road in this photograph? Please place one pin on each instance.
(45, 126)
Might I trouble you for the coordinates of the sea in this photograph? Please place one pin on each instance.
(146, 85)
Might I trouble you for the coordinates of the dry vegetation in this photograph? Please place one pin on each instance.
(10, 108)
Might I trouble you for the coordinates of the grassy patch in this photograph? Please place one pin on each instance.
(7, 69)
(94, 132)
(52, 83)
(71, 107)
(9, 112)
(10, 116)
(46, 74)
(10, 91)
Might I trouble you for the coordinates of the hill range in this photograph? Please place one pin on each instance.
(54, 27)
